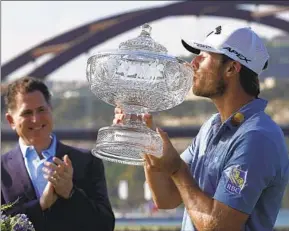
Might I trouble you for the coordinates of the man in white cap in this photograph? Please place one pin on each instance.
(233, 175)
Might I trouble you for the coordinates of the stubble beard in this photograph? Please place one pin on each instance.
(212, 92)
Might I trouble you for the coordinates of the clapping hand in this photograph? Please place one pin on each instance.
(59, 174)
(48, 197)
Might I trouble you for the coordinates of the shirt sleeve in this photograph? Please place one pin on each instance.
(188, 154)
(248, 172)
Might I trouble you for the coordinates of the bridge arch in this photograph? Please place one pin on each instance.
(69, 45)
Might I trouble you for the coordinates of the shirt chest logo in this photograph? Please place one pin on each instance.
(236, 180)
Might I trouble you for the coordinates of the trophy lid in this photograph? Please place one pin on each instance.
(143, 42)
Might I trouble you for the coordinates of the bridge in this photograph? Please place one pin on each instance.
(75, 42)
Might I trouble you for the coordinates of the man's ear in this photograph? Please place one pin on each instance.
(234, 67)
(10, 120)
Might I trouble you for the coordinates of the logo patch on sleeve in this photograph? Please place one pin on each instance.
(236, 181)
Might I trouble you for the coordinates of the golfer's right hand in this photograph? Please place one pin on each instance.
(119, 116)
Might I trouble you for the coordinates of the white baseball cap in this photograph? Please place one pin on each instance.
(239, 43)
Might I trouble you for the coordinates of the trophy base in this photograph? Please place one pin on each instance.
(127, 144)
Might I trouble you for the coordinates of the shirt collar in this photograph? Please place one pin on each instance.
(246, 111)
(49, 152)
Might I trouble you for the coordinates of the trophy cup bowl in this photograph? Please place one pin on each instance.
(139, 78)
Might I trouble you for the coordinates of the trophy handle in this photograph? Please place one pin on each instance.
(146, 29)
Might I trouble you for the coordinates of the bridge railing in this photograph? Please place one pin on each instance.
(91, 134)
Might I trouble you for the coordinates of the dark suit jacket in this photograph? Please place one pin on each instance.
(88, 209)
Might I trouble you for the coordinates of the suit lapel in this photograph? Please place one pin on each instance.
(18, 183)
(22, 184)
(60, 150)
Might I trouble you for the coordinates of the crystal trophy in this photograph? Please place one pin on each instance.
(139, 77)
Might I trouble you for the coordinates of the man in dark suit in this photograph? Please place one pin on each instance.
(59, 187)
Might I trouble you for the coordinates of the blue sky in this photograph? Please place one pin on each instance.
(25, 24)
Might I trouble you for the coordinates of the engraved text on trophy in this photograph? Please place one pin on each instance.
(140, 71)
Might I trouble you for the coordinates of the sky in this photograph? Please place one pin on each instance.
(25, 24)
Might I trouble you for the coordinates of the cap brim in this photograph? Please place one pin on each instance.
(190, 48)
(196, 47)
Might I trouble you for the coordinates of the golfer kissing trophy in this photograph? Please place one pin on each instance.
(139, 78)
